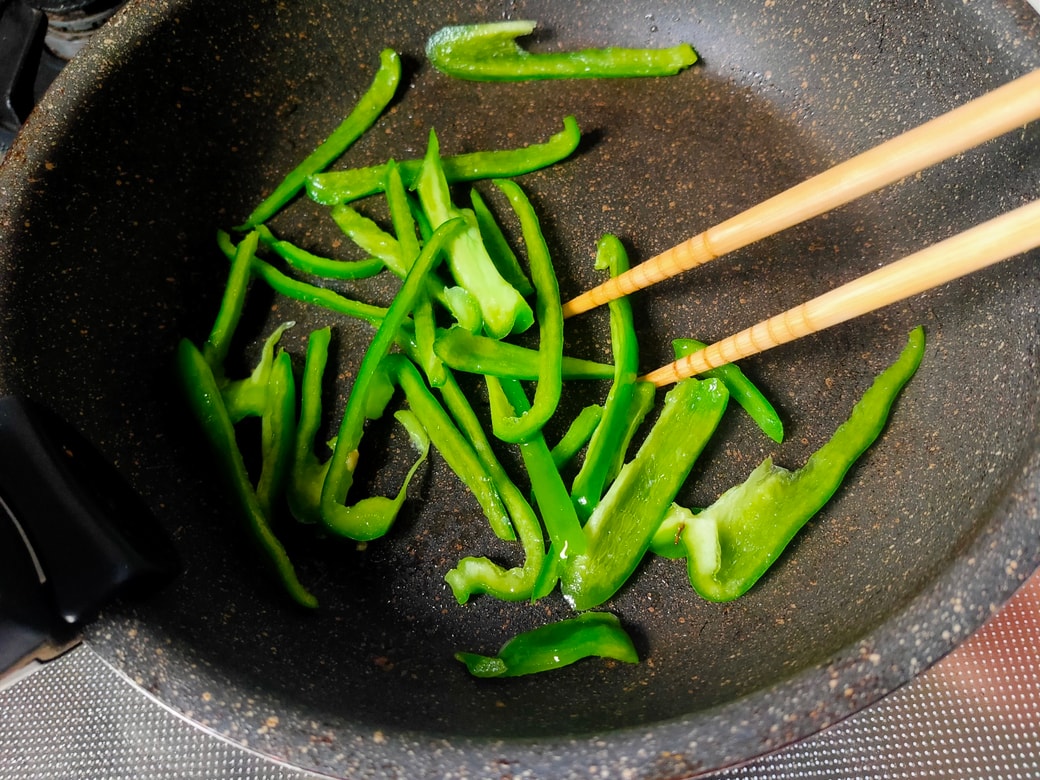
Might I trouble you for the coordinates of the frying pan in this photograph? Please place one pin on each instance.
(182, 114)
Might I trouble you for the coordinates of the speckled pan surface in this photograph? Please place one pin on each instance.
(183, 114)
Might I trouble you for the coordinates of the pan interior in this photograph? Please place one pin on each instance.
(112, 259)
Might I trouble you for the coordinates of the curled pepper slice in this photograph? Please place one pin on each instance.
(476, 354)
(550, 325)
(741, 389)
(334, 513)
(556, 645)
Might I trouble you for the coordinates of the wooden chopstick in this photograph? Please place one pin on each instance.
(998, 239)
(995, 113)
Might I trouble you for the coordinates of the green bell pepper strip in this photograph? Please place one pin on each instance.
(476, 354)
(405, 228)
(577, 435)
(498, 246)
(462, 306)
(503, 310)
(270, 394)
(204, 397)
(469, 424)
(303, 491)
(232, 302)
(370, 237)
(334, 187)
(734, 541)
(555, 645)
(549, 308)
(248, 397)
(319, 296)
(334, 513)
(372, 517)
(372, 103)
(561, 521)
(489, 52)
(456, 450)
(623, 523)
(316, 265)
(644, 396)
(608, 438)
(473, 575)
(277, 432)
(741, 389)
(304, 291)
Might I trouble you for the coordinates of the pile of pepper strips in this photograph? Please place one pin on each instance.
(456, 266)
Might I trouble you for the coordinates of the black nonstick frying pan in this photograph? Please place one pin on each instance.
(182, 114)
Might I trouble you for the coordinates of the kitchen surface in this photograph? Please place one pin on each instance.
(974, 713)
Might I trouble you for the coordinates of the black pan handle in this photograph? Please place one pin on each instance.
(21, 37)
(73, 534)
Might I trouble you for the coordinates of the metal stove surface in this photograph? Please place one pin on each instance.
(975, 714)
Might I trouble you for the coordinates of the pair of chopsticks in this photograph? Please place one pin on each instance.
(1008, 107)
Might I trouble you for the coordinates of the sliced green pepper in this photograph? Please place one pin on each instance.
(735, 540)
(303, 291)
(270, 394)
(577, 435)
(561, 521)
(233, 301)
(372, 517)
(503, 310)
(334, 187)
(741, 389)
(460, 409)
(550, 325)
(498, 247)
(644, 395)
(334, 513)
(316, 265)
(555, 645)
(308, 470)
(205, 399)
(456, 450)
(364, 232)
(612, 432)
(476, 354)
(364, 114)
(489, 52)
(622, 525)
(408, 241)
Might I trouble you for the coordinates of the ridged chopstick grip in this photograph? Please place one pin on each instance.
(998, 239)
(989, 116)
